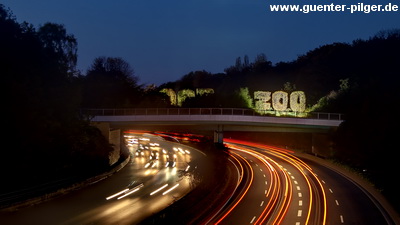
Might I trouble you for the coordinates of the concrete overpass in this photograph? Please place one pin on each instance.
(215, 119)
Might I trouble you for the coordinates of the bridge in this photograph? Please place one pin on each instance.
(216, 119)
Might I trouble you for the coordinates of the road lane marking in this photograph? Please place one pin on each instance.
(262, 203)
(300, 202)
(300, 195)
(330, 190)
(253, 219)
(295, 182)
(337, 203)
(299, 212)
(297, 223)
(341, 219)
(298, 188)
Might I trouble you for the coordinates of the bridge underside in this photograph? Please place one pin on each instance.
(229, 123)
(279, 130)
(225, 127)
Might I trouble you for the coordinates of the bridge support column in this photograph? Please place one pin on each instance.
(219, 135)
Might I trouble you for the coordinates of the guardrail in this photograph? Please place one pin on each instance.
(195, 111)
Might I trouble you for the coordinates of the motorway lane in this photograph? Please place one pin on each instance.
(242, 207)
(316, 194)
(264, 194)
(348, 203)
(90, 206)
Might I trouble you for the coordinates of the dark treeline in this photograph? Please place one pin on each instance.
(44, 92)
(45, 138)
(359, 79)
(321, 73)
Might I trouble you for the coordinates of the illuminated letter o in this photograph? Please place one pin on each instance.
(280, 100)
(298, 101)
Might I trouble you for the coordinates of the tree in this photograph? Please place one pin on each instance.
(110, 82)
(59, 45)
(48, 139)
(261, 64)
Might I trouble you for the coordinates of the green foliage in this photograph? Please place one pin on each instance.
(246, 97)
(183, 94)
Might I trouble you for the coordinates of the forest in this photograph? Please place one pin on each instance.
(47, 137)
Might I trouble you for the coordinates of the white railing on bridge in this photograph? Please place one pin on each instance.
(195, 111)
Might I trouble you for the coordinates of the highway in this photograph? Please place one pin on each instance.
(271, 186)
(277, 187)
(150, 182)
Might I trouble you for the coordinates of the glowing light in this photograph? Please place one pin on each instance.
(116, 194)
(278, 103)
(177, 99)
(154, 192)
(279, 100)
(131, 192)
(298, 101)
(172, 188)
(262, 98)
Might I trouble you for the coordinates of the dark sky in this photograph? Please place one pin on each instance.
(164, 40)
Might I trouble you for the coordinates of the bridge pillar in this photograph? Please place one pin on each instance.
(219, 135)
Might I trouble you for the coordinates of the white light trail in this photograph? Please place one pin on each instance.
(129, 193)
(152, 193)
(172, 188)
(116, 194)
(135, 189)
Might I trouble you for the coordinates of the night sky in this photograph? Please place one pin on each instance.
(164, 40)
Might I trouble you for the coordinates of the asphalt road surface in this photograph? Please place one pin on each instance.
(276, 187)
(148, 183)
(271, 186)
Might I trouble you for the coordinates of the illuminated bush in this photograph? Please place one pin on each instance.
(178, 99)
(280, 100)
(262, 99)
(204, 91)
(298, 101)
(171, 94)
(277, 103)
(244, 94)
(183, 94)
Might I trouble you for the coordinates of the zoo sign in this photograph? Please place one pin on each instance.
(279, 101)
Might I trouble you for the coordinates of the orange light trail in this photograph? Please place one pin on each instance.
(297, 163)
(244, 193)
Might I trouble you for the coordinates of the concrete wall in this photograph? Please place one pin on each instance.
(114, 138)
(319, 144)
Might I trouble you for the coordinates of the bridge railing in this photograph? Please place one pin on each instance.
(194, 111)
